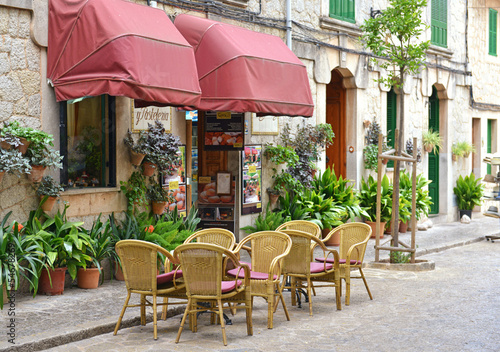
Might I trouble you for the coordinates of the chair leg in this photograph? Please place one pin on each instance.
(194, 315)
(283, 303)
(347, 279)
(222, 322)
(293, 291)
(155, 319)
(270, 310)
(366, 284)
(164, 309)
(143, 310)
(248, 306)
(188, 307)
(309, 295)
(338, 293)
(313, 289)
(122, 313)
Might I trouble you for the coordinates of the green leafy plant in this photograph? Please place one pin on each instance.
(370, 151)
(368, 198)
(469, 191)
(41, 151)
(48, 187)
(456, 150)
(138, 146)
(135, 191)
(431, 141)
(322, 210)
(465, 148)
(156, 193)
(14, 128)
(267, 221)
(13, 162)
(291, 207)
(100, 244)
(190, 222)
(400, 257)
(423, 200)
(162, 148)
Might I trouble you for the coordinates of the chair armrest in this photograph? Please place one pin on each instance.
(336, 258)
(352, 248)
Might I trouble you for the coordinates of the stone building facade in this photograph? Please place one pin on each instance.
(461, 74)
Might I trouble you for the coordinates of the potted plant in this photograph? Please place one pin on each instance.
(457, 151)
(13, 162)
(368, 200)
(423, 200)
(48, 190)
(322, 210)
(162, 149)
(17, 136)
(409, 150)
(159, 198)
(370, 152)
(135, 191)
(138, 149)
(41, 155)
(274, 195)
(469, 191)
(466, 148)
(432, 141)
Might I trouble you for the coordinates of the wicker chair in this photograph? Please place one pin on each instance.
(269, 248)
(139, 263)
(302, 269)
(354, 238)
(301, 225)
(202, 267)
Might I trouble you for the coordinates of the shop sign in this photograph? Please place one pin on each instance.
(142, 116)
(224, 130)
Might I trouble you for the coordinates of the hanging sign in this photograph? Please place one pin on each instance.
(149, 114)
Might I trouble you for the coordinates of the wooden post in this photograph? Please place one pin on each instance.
(395, 228)
(379, 196)
(413, 199)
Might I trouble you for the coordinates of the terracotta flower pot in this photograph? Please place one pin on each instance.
(148, 169)
(403, 227)
(136, 158)
(373, 226)
(57, 275)
(49, 203)
(1, 175)
(454, 157)
(88, 278)
(23, 147)
(118, 272)
(428, 148)
(334, 240)
(158, 207)
(273, 198)
(36, 173)
(5, 145)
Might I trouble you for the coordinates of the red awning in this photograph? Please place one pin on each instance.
(246, 71)
(119, 48)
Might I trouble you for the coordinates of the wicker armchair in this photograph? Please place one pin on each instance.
(269, 248)
(202, 266)
(354, 238)
(302, 269)
(139, 263)
(301, 225)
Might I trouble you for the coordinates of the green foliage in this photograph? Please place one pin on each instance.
(44, 155)
(368, 198)
(292, 208)
(48, 187)
(463, 149)
(14, 128)
(322, 209)
(423, 200)
(370, 153)
(393, 36)
(100, 244)
(135, 191)
(267, 221)
(155, 192)
(400, 257)
(432, 140)
(162, 149)
(140, 146)
(189, 223)
(469, 191)
(90, 150)
(13, 162)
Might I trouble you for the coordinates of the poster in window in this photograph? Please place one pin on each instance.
(149, 114)
(251, 180)
(224, 130)
(174, 181)
(267, 125)
(207, 192)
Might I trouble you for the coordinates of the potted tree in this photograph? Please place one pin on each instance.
(368, 200)
(13, 162)
(48, 191)
(138, 149)
(432, 141)
(469, 191)
(159, 198)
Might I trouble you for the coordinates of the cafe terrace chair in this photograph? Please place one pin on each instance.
(269, 248)
(202, 267)
(139, 263)
(354, 238)
(217, 236)
(302, 269)
(301, 225)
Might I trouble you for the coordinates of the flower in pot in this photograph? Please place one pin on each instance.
(159, 197)
(432, 141)
(469, 191)
(41, 155)
(48, 190)
(13, 162)
(368, 200)
(138, 148)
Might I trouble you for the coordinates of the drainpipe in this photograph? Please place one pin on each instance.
(289, 24)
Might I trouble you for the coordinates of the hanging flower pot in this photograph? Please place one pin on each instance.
(454, 157)
(36, 173)
(5, 145)
(428, 148)
(88, 278)
(273, 198)
(23, 147)
(148, 169)
(57, 276)
(136, 158)
(158, 207)
(1, 175)
(49, 203)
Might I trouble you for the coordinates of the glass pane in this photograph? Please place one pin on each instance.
(87, 140)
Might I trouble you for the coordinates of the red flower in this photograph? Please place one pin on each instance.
(149, 228)
(19, 227)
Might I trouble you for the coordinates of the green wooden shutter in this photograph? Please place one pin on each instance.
(492, 47)
(439, 23)
(343, 10)
(391, 121)
(488, 144)
(433, 168)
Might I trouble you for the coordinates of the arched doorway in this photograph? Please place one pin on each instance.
(335, 116)
(433, 168)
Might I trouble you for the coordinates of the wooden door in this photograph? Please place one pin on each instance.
(335, 116)
(433, 169)
(391, 121)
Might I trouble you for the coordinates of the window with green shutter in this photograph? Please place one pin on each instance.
(391, 120)
(439, 23)
(342, 10)
(492, 47)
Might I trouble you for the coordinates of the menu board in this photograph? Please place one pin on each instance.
(224, 130)
(175, 182)
(251, 179)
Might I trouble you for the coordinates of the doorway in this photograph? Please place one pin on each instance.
(335, 116)
(433, 167)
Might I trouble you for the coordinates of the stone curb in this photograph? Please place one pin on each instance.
(87, 333)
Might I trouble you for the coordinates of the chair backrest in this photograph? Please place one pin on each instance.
(353, 233)
(267, 248)
(220, 237)
(300, 257)
(139, 261)
(202, 267)
(302, 225)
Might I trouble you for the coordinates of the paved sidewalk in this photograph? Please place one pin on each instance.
(44, 322)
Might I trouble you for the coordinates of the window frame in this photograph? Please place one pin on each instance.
(439, 23)
(492, 31)
(347, 16)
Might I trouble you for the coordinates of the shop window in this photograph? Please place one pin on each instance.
(439, 23)
(88, 142)
(342, 10)
(492, 47)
